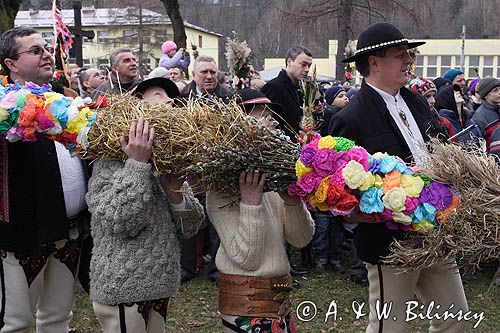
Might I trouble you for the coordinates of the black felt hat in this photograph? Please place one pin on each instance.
(249, 97)
(166, 84)
(380, 36)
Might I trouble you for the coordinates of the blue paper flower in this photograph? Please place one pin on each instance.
(374, 165)
(371, 201)
(387, 164)
(423, 212)
(59, 109)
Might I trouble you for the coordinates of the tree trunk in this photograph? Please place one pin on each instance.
(344, 27)
(8, 13)
(172, 7)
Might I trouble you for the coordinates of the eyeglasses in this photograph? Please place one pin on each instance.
(37, 50)
(319, 101)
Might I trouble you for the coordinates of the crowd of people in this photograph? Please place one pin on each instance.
(132, 236)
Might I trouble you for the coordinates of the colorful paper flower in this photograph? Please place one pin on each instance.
(395, 199)
(412, 185)
(353, 174)
(424, 212)
(308, 155)
(309, 182)
(437, 194)
(301, 169)
(327, 142)
(371, 201)
(391, 180)
(423, 227)
(359, 155)
(324, 162)
(343, 144)
(367, 181)
(322, 190)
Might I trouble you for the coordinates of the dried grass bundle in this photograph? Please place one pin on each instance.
(471, 234)
(208, 141)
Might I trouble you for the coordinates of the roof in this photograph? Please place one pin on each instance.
(95, 17)
(271, 73)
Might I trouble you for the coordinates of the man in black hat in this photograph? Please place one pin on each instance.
(387, 117)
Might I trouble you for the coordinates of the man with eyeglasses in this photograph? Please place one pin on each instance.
(42, 207)
(386, 117)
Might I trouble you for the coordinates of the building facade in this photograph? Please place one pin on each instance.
(120, 28)
(481, 58)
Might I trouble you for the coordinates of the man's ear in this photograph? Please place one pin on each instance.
(288, 61)
(373, 63)
(11, 65)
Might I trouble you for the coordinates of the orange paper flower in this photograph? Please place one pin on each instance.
(391, 180)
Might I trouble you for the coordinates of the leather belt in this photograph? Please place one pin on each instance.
(254, 296)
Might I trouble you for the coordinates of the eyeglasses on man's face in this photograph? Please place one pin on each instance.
(37, 50)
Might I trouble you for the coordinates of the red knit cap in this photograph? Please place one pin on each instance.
(422, 86)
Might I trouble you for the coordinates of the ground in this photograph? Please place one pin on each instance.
(195, 308)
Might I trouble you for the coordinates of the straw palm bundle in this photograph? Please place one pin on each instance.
(471, 234)
(209, 141)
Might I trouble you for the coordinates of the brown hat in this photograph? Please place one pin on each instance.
(486, 85)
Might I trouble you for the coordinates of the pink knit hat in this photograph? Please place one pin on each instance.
(168, 46)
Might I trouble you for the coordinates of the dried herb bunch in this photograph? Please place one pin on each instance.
(206, 140)
(471, 234)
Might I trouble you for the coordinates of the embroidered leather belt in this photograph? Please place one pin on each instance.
(253, 296)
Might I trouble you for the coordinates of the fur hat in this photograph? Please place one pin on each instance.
(168, 46)
(422, 86)
(473, 85)
(486, 85)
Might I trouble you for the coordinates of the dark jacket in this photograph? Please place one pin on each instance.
(447, 108)
(220, 91)
(106, 86)
(323, 119)
(367, 121)
(487, 117)
(37, 211)
(281, 90)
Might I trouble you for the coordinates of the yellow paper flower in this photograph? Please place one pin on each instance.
(378, 183)
(301, 169)
(322, 191)
(368, 181)
(327, 142)
(401, 218)
(412, 185)
(423, 227)
(353, 174)
(52, 96)
(4, 114)
(80, 121)
(395, 199)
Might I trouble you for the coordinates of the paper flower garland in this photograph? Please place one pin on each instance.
(29, 110)
(335, 175)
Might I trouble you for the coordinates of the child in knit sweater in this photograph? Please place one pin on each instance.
(172, 57)
(252, 258)
(138, 217)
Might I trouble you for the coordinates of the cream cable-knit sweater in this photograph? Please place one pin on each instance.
(253, 237)
(136, 254)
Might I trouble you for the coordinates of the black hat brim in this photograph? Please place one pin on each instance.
(355, 57)
(170, 87)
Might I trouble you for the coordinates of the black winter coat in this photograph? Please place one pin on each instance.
(367, 121)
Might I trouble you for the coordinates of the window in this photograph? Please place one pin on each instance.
(487, 66)
(48, 37)
(161, 35)
(102, 37)
(129, 36)
(146, 36)
(419, 66)
(86, 63)
(431, 66)
(200, 41)
(473, 65)
(445, 64)
(103, 63)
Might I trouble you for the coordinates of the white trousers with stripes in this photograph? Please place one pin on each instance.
(389, 286)
(46, 303)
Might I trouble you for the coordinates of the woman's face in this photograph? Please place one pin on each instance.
(319, 99)
(264, 114)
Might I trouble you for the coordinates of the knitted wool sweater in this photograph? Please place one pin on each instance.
(253, 237)
(136, 250)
